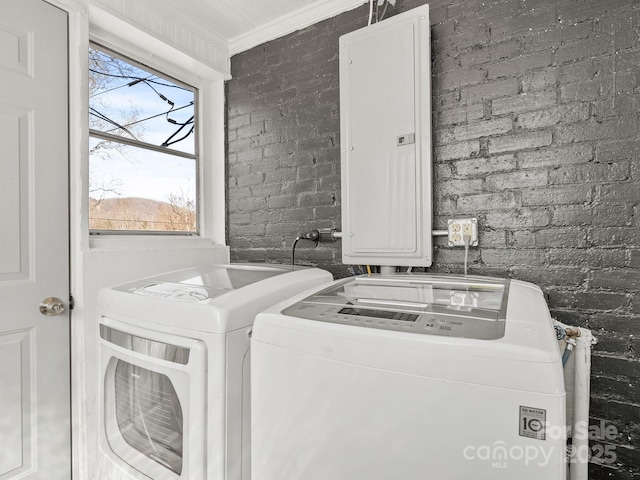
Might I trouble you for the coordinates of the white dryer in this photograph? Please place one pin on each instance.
(174, 360)
(408, 377)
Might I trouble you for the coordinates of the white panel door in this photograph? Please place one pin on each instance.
(35, 439)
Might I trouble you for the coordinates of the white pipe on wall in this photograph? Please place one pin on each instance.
(577, 373)
(579, 466)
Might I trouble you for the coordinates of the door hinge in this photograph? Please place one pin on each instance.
(72, 302)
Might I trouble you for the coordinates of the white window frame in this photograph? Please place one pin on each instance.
(108, 31)
(142, 146)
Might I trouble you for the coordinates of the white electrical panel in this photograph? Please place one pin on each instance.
(385, 129)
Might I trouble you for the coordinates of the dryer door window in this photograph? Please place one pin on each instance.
(149, 414)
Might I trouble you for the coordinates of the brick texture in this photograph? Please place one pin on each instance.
(535, 128)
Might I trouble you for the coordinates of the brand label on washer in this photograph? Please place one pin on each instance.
(532, 422)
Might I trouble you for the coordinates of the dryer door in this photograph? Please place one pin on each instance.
(148, 413)
(153, 401)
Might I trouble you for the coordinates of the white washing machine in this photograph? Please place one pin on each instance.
(408, 377)
(174, 361)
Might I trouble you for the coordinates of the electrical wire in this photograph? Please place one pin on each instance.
(384, 11)
(170, 120)
(148, 82)
(379, 16)
(130, 84)
(110, 90)
(175, 122)
(153, 116)
(167, 142)
(96, 113)
(467, 240)
(293, 252)
(312, 235)
(140, 79)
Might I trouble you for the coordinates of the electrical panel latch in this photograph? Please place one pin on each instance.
(406, 139)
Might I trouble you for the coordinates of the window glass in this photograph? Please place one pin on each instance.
(143, 162)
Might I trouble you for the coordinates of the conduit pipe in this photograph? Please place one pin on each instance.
(577, 373)
(578, 469)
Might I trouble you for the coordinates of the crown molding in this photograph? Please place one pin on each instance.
(296, 20)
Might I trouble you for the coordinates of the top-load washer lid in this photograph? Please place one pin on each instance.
(202, 283)
(467, 307)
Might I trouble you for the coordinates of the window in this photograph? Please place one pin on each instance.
(143, 158)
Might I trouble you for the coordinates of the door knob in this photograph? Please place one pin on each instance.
(51, 306)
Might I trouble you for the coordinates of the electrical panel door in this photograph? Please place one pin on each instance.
(385, 118)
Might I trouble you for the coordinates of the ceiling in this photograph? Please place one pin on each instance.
(232, 18)
(242, 24)
(208, 31)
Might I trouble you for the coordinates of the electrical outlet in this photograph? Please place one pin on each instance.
(459, 228)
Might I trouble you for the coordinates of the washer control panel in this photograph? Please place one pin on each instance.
(465, 307)
(403, 321)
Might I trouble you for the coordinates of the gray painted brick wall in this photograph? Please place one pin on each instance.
(535, 114)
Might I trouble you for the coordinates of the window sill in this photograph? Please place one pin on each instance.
(138, 242)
